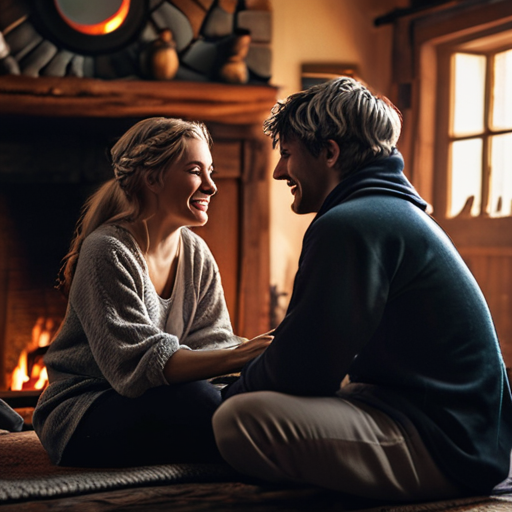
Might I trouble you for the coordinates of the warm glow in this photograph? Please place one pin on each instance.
(502, 94)
(106, 26)
(468, 94)
(43, 378)
(466, 177)
(500, 204)
(42, 334)
(19, 375)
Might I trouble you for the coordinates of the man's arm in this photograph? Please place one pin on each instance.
(340, 292)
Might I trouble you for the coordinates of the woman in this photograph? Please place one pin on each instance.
(147, 321)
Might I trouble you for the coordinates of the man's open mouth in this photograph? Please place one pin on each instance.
(292, 185)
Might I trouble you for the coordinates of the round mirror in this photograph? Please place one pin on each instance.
(93, 17)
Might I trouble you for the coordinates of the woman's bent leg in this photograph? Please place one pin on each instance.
(330, 442)
(165, 424)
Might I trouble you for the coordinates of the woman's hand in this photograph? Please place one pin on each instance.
(250, 349)
(187, 365)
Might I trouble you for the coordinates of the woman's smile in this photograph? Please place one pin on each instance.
(200, 204)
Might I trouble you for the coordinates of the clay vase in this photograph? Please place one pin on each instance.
(163, 61)
(234, 69)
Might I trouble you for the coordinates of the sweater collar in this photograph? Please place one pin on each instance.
(383, 176)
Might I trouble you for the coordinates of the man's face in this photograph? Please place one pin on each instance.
(309, 178)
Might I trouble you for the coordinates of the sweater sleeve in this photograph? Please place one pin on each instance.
(339, 296)
(108, 297)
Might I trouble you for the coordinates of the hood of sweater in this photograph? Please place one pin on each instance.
(383, 176)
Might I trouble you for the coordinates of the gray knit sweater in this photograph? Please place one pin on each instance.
(119, 333)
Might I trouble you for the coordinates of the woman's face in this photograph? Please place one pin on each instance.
(187, 186)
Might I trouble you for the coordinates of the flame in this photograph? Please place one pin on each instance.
(19, 375)
(104, 27)
(42, 333)
(42, 381)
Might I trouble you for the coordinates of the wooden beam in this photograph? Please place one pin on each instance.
(83, 97)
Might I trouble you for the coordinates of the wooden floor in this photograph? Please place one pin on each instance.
(243, 497)
(199, 497)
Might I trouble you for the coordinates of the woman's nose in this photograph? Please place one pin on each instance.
(208, 186)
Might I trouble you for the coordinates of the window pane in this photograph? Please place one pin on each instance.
(466, 176)
(501, 176)
(502, 111)
(469, 93)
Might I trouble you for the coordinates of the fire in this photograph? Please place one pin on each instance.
(19, 375)
(31, 373)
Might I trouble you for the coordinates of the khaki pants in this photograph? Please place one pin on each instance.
(333, 442)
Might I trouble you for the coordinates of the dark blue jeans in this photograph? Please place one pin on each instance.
(166, 424)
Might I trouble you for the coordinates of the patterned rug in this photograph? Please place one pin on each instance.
(26, 473)
(29, 482)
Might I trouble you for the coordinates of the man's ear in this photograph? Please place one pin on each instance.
(332, 153)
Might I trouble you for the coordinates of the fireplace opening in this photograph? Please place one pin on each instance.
(36, 222)
(48, 168)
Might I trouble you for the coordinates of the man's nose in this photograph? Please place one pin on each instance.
(280, 171)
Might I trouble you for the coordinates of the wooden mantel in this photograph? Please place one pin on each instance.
(89, 97)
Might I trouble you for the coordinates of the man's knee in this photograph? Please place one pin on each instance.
(235, 418)
(245, 433)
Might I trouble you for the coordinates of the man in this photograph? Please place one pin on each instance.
(381, 299)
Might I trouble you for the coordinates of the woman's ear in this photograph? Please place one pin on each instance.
(332, 153)
(151, 182)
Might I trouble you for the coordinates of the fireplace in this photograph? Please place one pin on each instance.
(68, 92)
(49, 165)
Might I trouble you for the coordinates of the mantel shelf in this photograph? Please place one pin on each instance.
(86, 97)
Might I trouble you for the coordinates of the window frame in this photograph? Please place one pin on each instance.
(416, 67)
(468, 44)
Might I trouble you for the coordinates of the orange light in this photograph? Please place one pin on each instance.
(19, 375)
(42, 380)
(104, 27)
(42, 334)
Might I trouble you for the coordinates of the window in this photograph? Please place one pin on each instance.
(480, 132)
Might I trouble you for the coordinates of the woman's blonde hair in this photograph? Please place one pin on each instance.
(146, 149)
(365, 126)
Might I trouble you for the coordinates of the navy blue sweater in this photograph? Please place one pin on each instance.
(381, 294)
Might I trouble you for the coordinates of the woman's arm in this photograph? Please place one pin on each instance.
(188, 365)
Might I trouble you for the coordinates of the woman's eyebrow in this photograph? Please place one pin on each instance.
(198, 162)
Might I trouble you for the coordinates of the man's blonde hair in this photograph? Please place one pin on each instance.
(365, 126)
